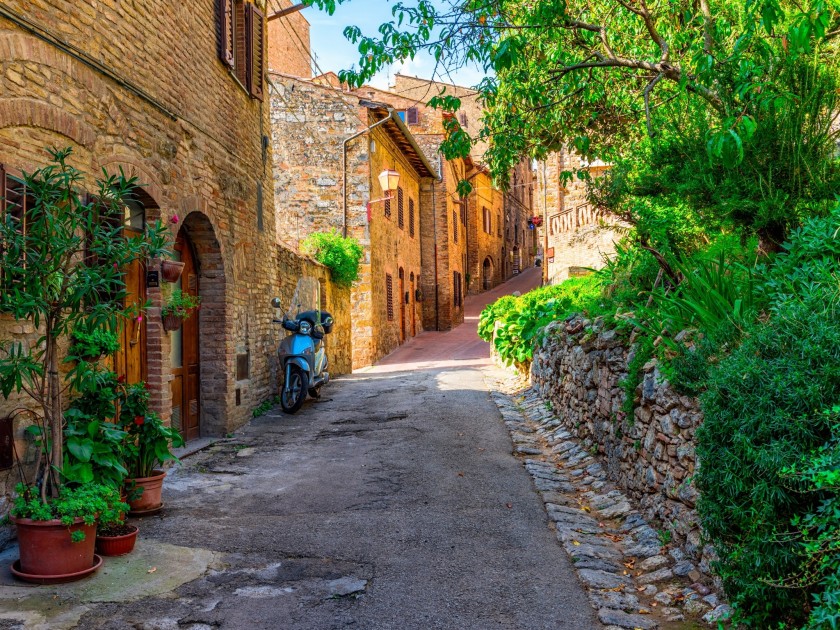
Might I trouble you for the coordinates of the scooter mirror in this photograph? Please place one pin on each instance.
(275, 302)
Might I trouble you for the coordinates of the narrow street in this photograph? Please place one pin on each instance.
(392, 503)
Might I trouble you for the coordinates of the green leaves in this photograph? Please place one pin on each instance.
(341, 255)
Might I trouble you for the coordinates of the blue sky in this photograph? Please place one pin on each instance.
(333, 52)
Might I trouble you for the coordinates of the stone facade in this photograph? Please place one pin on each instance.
(288, 43)
(575, 235)
(166, 109)
(579, 368)
(330, 146)
(486, 256)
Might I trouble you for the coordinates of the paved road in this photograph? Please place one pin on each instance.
(393, 503)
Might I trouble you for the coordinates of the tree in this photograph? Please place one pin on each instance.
(63, 257)
(601, 75)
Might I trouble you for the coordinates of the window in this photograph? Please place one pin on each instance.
(400, 214)
(499, 225)
(387, 208)
(401, 114)
(462, 118)
(411, 218)
(241, 32)
(389, 294)
(455, 226)
(488, 224)
(464, 212)
(413, 116)
(14, 204)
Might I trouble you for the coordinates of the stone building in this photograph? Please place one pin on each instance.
(181, 108)
(289, 50)
(520, 237)
(576, 235)
(486, 255)
(330, 146)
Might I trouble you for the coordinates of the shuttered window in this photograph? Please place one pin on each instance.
(15, 203)
(411, 218)
(455, 226)
(389, 295)
(499, 225)
(413, 116)
(457, 293)
(387, 208)
(255, 50)
(226, 32)
(240, 29)
(400, 214)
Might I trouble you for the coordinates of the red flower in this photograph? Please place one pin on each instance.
(174, 218)
(139, 420)
(121, 378)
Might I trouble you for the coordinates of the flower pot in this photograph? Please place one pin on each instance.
(172, 322)
(116, 545)
(152, 489)
(47, 551)
(170, 270)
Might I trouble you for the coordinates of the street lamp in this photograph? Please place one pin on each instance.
(389, 181)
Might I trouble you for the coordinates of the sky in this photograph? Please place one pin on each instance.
(333, 52)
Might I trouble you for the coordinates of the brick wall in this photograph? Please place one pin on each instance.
(196, 145)
(288, 43)
(486, 258)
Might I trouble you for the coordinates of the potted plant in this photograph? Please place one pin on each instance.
(171, 270)
(91, 344)
(114, 537)
(57, 538)
(178, 308)
(62, 273)
(149, 447)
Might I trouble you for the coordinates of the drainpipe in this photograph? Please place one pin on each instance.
(344, 164)
(434, 231)
(545, 228)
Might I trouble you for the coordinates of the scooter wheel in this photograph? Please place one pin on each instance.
(294, 392)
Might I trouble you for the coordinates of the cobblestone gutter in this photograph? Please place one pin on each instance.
(636, 579)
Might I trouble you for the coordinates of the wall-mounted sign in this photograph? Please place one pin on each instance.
(153, 278)
(551, 252)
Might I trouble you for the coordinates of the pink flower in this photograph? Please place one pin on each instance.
(139, 318)
(115, 266)
(174, 219)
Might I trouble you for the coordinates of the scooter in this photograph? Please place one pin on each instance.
(302, 354)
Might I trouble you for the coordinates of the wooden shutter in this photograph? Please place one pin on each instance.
(14, 203)
(411, 218)
(454, 226)
(389, 293)
(400, 210)
(255, 50)
(226, 32)
(388, 208)
(413, 116)
(240, 51)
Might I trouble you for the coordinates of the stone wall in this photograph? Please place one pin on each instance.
(579, 368)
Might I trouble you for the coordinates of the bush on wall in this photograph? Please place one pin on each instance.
(338, 253)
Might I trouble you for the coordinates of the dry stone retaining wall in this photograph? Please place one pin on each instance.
(579, 367)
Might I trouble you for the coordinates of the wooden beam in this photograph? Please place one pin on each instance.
(284, 12)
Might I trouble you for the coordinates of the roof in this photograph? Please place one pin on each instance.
(402, 137)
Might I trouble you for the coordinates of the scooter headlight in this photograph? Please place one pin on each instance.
(305, 328)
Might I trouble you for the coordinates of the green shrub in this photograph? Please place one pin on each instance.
(92, 342)
(763, 409)
(341, 255)
(522, 319)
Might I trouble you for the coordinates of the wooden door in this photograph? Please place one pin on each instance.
(413, 306)
(402, 305)
(186, 403)
(130, 359)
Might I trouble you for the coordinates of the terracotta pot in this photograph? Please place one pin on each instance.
(152, 489)
(172, 322)
(116, 545)
(47, 550)
(170, 270)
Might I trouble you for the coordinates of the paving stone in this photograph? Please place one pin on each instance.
(666, 599)
(622, 619)
(652, 563)
(617, 601)
(619, 509)
(596, 563)
(683, 568)
(656, 576)
(720, 613)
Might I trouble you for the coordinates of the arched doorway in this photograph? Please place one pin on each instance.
(487, 274)
(184, 354)
(130, 360)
